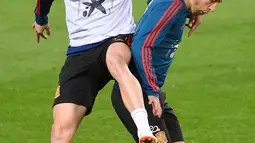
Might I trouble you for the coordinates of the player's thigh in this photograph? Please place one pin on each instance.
(81, 78)
(67, 116)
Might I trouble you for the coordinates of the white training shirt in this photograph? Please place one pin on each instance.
(91, 21)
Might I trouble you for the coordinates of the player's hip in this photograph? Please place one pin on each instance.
(87, 36)
(92, 60)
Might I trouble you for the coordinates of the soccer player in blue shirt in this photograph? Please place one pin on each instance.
(154, 44)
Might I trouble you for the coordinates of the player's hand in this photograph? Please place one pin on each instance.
(39, 30)
(156, 107)
(194, 22)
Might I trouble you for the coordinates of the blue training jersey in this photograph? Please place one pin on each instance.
(155, 41)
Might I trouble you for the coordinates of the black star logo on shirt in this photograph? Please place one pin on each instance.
(95, 4)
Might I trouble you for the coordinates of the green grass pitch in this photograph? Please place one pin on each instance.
(211, 84)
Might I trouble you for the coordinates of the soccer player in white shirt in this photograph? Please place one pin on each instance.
(99, 32)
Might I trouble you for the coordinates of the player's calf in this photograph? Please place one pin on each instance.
(117, 60)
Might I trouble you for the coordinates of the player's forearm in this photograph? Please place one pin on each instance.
(42, 10)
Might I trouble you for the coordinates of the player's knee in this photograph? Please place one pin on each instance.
(62, 132)
(117, 66)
